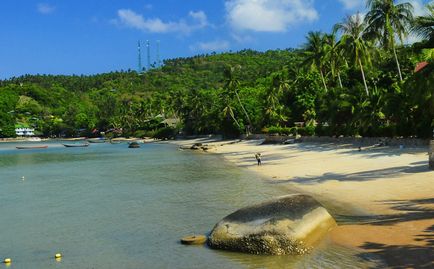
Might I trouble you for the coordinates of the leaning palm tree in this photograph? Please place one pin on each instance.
(386, 20)
(231, 87)
(314, 53)
(353, 29)
(423, 26)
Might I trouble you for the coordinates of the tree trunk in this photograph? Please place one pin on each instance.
(323, 80)
(244, 110)
(397, 63)
(231, 113)
(431, 155)
(363, 76)
(340, 80)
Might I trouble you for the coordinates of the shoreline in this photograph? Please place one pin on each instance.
(382, 197)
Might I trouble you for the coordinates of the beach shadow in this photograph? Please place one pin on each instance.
(402, 256)
(377, 174)
(410, 210)
(368, 151)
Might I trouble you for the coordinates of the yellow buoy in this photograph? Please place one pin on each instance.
(58, 255)
(7, 260)
(193, 240)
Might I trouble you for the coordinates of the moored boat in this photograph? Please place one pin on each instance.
(96, 140)
(81, 145)
(32, 147)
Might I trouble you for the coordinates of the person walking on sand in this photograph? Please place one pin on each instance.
(258, 158)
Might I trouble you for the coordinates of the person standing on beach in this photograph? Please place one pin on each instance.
(258, 158)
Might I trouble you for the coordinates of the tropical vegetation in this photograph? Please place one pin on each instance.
(359, 79)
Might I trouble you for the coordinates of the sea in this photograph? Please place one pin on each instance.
(108, 206)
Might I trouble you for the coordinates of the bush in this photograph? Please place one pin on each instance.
(321, 130)
(306, 131)
(280, 130)
(8, 131)
(165, 133)
(139, 133)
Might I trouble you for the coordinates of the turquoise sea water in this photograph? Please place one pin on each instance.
(107, 206)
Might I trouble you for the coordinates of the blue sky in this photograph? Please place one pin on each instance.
(88, 36)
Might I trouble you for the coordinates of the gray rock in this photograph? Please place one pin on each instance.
(290, 224)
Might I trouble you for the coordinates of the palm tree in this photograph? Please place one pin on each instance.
(314, 53)
(353, 29)
(423, 26)
(231, 87)
(334, 55)
(273, 108)
(386, 20)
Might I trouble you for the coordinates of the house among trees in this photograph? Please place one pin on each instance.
(21, 130)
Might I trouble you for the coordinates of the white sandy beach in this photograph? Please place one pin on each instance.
(388, 191)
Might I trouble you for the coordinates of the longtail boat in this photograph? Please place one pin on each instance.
(81, 145)
(32, 147)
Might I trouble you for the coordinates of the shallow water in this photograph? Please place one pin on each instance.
(107, 206)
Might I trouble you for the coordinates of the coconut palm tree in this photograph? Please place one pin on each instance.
(273, 109)
(231, 87)
(314, 53)
(353, 29)
(385, 20)
(334, 55)
(423, 26)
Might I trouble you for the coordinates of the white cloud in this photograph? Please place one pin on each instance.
(44, 8)
(200, 16)
(126, 17)
(242, 38)
(353, 4)
(216, 45)
(269, 15)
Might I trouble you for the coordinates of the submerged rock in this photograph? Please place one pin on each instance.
(196, 146)
(290, 224)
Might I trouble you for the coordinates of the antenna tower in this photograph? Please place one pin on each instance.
(158, 53)
(139, 55)
(148, 47)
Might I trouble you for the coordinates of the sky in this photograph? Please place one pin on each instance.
(90, 36)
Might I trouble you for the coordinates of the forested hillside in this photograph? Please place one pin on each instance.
(357, 80)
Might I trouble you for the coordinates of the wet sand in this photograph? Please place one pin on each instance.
(382, 197)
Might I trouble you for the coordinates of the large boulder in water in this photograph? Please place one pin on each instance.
(290, 224)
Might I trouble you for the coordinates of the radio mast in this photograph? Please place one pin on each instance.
(158, 53)
(139, 58)
(148, 47)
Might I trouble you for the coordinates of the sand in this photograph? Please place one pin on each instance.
(382, 197)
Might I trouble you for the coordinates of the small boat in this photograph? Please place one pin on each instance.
(81, 145)
(96, 140)
(134, 145)
(32, 147)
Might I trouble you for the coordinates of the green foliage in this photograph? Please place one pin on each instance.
(345, 87)
(165, 133)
